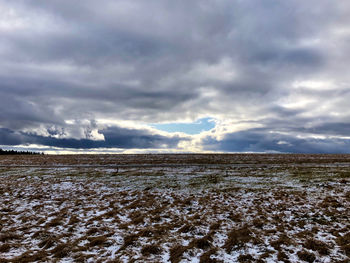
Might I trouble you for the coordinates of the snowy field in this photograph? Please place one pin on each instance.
(175, 208)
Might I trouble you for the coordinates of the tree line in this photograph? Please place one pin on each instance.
(13, 152)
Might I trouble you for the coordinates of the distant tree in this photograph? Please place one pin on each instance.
(13, 152)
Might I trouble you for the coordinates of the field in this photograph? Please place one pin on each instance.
(175, 208)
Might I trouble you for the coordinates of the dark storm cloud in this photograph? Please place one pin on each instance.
(262, 140)
(115, 137)
(8, 137)
(165, 61)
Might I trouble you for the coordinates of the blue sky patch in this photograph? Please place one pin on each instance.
(204, 124)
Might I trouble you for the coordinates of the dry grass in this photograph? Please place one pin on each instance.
(279, 207)
(282, 240)
(306, 256)
(4, 237)
(150, 250)
(344, 243)
(176, 253)
(245, 258)
(206, 257)
(237, 238)
(201, 243)
(129, 240)
(4, 248)
(317, 245)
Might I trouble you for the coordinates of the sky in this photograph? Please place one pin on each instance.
(135, 76)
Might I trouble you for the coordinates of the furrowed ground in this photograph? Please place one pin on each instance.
(175, 208)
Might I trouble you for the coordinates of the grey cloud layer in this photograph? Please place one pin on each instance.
(114, 137)
(262, 140)
(152, 61)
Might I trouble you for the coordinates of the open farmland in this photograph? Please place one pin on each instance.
(175, 208)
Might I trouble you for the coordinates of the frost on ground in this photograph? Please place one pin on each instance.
(215, 208)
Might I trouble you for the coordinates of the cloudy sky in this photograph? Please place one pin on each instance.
(175, 76)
